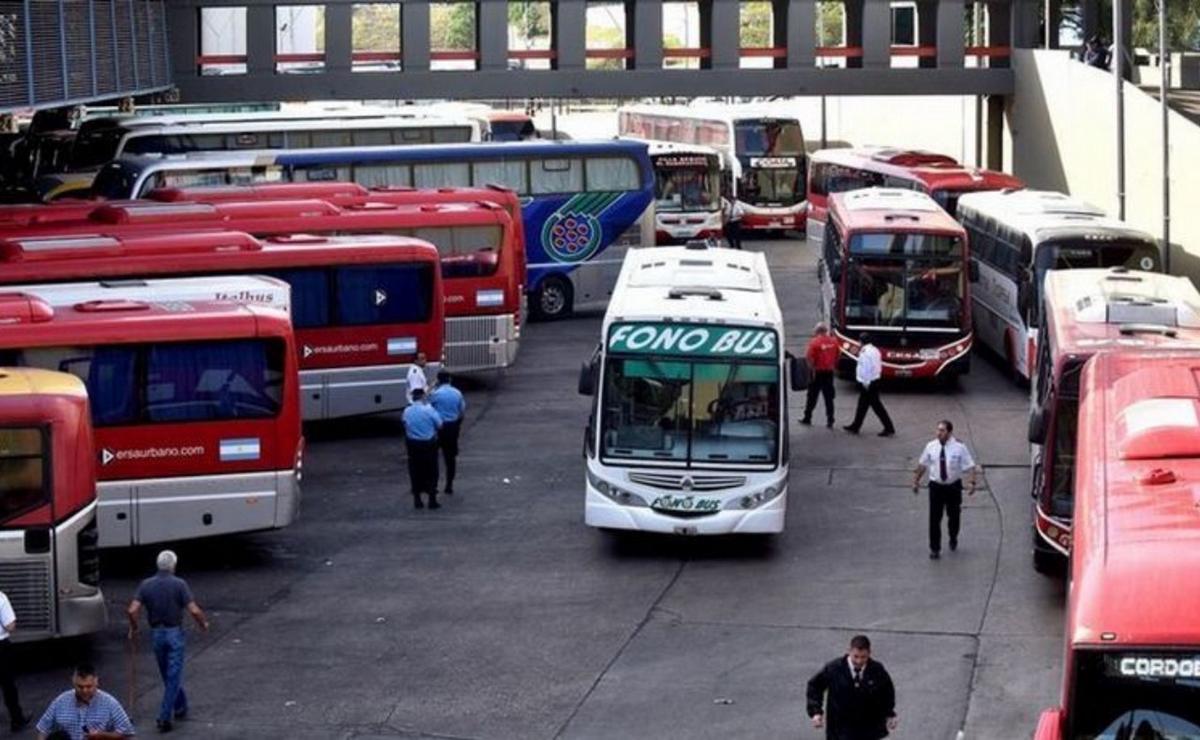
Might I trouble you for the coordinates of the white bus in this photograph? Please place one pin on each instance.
(687, 192)
(688, 431)
(257, 290)
(1016, 237)
(763, 153)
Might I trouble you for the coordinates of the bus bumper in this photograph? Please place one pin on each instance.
(795, 217)
(602, 512)
(475, 343)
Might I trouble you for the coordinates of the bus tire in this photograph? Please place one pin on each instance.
(1044, 561)
(553, 299)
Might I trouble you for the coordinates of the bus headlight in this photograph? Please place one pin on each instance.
(611, 491)
(755, 500)
(489, 298)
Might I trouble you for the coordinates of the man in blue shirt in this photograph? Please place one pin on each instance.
(85, 713)
(421, 425)
(448, 401)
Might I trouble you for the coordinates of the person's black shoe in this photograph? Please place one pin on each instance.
(934, 554)
(417, 502)
(433, 504)
(806, 422)
(19, 723)
(953, 545)
(164, 725)
(829, 424)
(449, 491)
(851, 428)
(888, 433)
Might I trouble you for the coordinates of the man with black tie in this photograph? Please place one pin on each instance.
(852, 697)
(947, 460)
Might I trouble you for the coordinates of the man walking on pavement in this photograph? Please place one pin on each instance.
(852, 697)
(166, 597)
(416, 376)
(450, 405)
(8, 672)
(733, 211)
(870, 368)
(421, 425)
(822, 354)
(947, 460)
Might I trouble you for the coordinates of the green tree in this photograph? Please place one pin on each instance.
(452, 25)
(1183, 24)
(756, 18)
(829, 23)
(605, 37)
(531, 19)
(376, 27)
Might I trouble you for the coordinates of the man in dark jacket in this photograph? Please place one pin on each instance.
(852, 697)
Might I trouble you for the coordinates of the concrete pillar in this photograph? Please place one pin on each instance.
(1127, 37)
(183, 29)
(854, 28)
(260, 39)
(569, 33)
(950, 33)
(338, 40)
(491, 34)
(800, 33)
(643, 21)
(995, 132)
(414, 32)
(877, 33)
(928, 19)
(724, 19)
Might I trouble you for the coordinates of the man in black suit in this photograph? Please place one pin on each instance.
(852, 697)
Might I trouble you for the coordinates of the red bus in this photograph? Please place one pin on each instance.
(1085, 311)
(896, 265)
(195, 406)
(49, 565)
(943, 178)
(1132, 654)
(363, 306)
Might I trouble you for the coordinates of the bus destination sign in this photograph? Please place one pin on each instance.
(679, 161)
(693, 340)
(1153, 666)
(773, 163)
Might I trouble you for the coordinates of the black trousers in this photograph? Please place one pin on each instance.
(423, 465)
(821, 385)
(8, 681)
(944, 498)
(733, 232)
(868, 397)
(448, 442)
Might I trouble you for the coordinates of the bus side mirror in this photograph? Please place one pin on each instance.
(587, 379)
(1024, 293)
(1037, 427)
(1049, 725)
(800, 372)
(973, 271)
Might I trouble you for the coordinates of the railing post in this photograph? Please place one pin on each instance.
(492, 34)
(339, 33)
(725, 20)
(951, 17)
(647, 33)
(801, 34)
(570, 34)
(876, 33)
(414, 29)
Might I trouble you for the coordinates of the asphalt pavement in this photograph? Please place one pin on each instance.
(503, 616)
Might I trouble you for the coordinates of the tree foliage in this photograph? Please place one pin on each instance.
(830, 19)
(531, 20)
(756, 26)
(452, 25)
(1183, 24)
(376, 27)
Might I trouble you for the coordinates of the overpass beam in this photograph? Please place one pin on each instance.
(570, 34)
(725, 24)
(948, 36)
(414, 29)
(338, 37)
(876, 33)
(643, 21)
(492, 34)
(796, 31)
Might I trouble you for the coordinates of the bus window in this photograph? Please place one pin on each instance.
(372, 137)
(383, 175)
(442, 175)
(310, 296)
(22, 472)
(769, 139)
(110, 373)
(94, 149)
(505, 173)
(388, 294)
(1062, 480)
(611, 173)
(466, 251)
(456, 135)
(557, 176)
(324, 173)
(735, 412)
(1114, 701)
(771, 186)
(205, 381)
(646, 409)
(330, 139)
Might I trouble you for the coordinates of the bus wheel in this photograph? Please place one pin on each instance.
(553, 299)
(1044, 561)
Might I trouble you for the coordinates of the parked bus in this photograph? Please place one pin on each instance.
(482, 263)
(688, 430)
(1084, 312)
(894, 264)
(763, 153)
(195, 406)
(941, 177)
(583, 203)
(257, 290)
(1018, 237)
(687, 192)
(49, 565)
(97, 145)
(363, 306)
(1132, 654)
(504, 125)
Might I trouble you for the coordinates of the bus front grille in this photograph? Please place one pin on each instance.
(27, 585)
(679, 482)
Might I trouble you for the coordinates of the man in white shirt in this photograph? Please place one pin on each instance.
(416, 376)
(8, 622)
(947, 460)
(733, 211)
(870, 368)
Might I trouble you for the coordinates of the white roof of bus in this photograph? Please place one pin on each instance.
(889, 199)
(666, 147)
(1036, 212)
(303, 124)
(1119, 296)
(133, 120)
(255, 290)
(713, 285)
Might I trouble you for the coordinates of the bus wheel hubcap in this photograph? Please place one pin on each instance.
(553, 299)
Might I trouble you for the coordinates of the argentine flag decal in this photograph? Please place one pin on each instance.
(235, 450)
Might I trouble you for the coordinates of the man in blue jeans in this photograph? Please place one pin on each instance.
(165, 597)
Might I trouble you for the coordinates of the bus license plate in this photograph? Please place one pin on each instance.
(685, 503)
(929, 354)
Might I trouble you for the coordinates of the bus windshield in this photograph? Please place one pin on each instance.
(692, 187)
(757, 138)
(520, 130)
(767, 186)
(905, 280)
(694, 412)
(23, 482)
(1128, 696)
(1072, 254)
(95, 148)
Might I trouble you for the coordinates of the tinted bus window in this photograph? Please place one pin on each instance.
(466, 251)
(389, 294)
(557, 176)
(457, 135)
(442, 175)
(207, 381)
(612, 173)
(507, 174)
(310, 296)
(22, 471)
(382, 175)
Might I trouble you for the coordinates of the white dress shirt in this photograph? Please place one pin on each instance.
(870, 365)
(958, 460)
(416, 379)
(7, 615)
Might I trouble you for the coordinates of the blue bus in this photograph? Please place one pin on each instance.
(583, 203)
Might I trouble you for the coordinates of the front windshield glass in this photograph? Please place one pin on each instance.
(771, 186)
(698, 412)
(513, 130)
(115, 182)
(765, 138)
(686, 184)
(904, 280)
(1070, 254)
(94, 148)
(1136, 695)
(23, 483)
